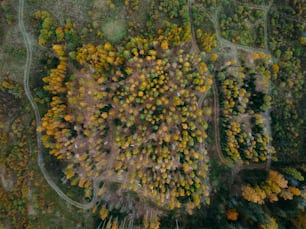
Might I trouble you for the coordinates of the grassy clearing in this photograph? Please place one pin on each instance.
(114, 30)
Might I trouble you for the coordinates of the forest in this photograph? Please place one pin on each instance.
(163, 114)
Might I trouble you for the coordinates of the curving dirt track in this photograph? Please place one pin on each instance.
(40, 162)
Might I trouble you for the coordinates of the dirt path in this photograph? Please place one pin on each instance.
(195, 48)
(38, 119)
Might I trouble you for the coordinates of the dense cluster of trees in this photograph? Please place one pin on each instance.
(14, 161)
(204, 29)
(23, 191)
(46, 31)
(127, 117)
(50, 33)
(165, 106)
(14, 157)
(148, 18)
(244, 99)
(207, 41)
(272, 188)
(288, 115)
(174, 8)
(130, 115)
(280, 188)
(243, 25)
(228, 209)
(209, 4)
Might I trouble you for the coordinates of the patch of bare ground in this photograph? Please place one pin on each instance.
(246, 120)
(74, 9)
(11, 55)
(261, 82)
(7, 180)
(31, 210)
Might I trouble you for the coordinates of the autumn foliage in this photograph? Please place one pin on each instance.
(15, 173)
(130, 116)
(232, 214)
(275, 187)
